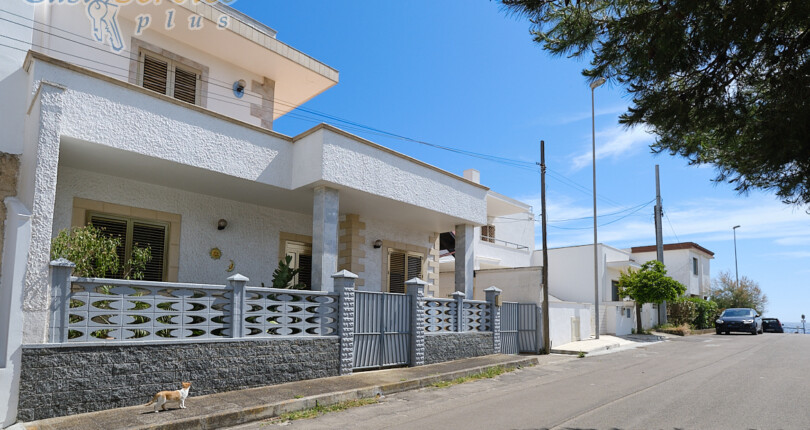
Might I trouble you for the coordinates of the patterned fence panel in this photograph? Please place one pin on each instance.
(509, 328)
(272, 312)
(115, 310)
(476, 315)
(382, 330)
(440, 315)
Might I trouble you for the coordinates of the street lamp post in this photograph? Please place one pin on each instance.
(595, 84)
(736, 271)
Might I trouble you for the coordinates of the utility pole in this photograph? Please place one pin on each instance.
(546, 340)
(659, 239)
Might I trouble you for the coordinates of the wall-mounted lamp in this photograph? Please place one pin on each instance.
(377, 244)
(239, 88)
(221, 224)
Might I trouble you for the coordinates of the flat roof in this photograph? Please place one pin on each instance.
(672, 247)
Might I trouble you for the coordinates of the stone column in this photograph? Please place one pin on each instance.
(416, 291)
(324, 237)
(37, 188)
(61, 270)
(465, 259)
(344, 285)
(238, 283)
(492, 294)
(458, 296)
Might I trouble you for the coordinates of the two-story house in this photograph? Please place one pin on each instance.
(154, 120)
(686, 262)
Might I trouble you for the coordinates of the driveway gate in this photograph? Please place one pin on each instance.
(520, 328)
(382, 328)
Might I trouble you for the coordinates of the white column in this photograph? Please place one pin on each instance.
(324, 237)
(465, 259)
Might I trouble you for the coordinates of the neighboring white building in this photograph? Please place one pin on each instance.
(686, 262)
(165, 133)
(571, 279)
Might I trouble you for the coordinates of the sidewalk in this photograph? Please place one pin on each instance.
(239, 407)
(606, 344)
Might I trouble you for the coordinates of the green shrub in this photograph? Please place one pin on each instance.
(706, 313)
(681, 311)
(284, 275)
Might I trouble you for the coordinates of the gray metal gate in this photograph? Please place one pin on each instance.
(520, 328)
(382, 330)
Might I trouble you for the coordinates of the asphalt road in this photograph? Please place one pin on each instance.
(698, 382)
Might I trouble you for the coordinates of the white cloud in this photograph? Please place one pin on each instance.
(580, 116)
(612, 143)
(701, 221)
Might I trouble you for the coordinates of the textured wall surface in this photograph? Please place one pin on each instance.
(70, 380)
(454, 346)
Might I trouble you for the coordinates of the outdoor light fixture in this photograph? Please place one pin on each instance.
(239, 88)
(221, 224)
(377, 244)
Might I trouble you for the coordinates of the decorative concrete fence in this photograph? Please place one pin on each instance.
(90, 311)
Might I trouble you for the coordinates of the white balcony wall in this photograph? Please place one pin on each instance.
(14, 80)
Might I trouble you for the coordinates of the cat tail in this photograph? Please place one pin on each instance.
(154, 399)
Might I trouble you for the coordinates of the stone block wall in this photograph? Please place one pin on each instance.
(66, 380)
(441, 347)
(9, 170)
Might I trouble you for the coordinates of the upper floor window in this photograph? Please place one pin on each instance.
(488, 233)
(169, 77)
(694, 266)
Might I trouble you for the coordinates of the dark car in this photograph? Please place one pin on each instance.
(739, 319)
(772, 325)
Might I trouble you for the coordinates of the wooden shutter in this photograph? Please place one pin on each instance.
(414, 267)
(154, 237)
(118, 229)
(305, 275)
(155, 74)
(396, 272)
(185, 85)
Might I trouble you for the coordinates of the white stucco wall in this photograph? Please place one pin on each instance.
(251, 238)
(570, 273)
(522, 285)
(561, 315)
(679, 266)
(385, 231)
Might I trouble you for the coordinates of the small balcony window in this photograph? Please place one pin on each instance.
(169, 77)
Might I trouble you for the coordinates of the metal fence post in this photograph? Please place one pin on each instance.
(458, 296)
(61, 271)
(492, 296)
(344, 285)
(416, 290)
(237, 283)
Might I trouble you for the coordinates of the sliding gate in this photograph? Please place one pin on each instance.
(382, 330)
(520, 328)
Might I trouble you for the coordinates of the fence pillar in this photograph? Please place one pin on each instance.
(61, 271)
(416, 291)
(238, 283)
(492, 295)
(344, 285)
(458, 296)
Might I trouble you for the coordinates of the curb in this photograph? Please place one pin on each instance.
(247, 415)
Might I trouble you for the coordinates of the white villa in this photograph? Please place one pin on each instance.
(164, 135)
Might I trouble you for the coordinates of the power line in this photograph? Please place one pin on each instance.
(607, 223)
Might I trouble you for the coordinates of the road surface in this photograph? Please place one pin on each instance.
(697, 382)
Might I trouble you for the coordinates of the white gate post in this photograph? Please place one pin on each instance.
(238, 283)
(458, 296)
(61, 270)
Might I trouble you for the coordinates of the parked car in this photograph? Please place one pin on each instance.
(772, 325)
(739, 319)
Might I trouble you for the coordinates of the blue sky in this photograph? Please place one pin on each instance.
(465, 74)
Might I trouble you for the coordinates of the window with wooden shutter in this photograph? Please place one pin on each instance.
(301, 258)
(136, 233)
(169, 77)
(403, 266)
(488, 233)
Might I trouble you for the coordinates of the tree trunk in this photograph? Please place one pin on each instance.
(639, 328)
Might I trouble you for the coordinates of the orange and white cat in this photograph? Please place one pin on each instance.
(177, 396)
